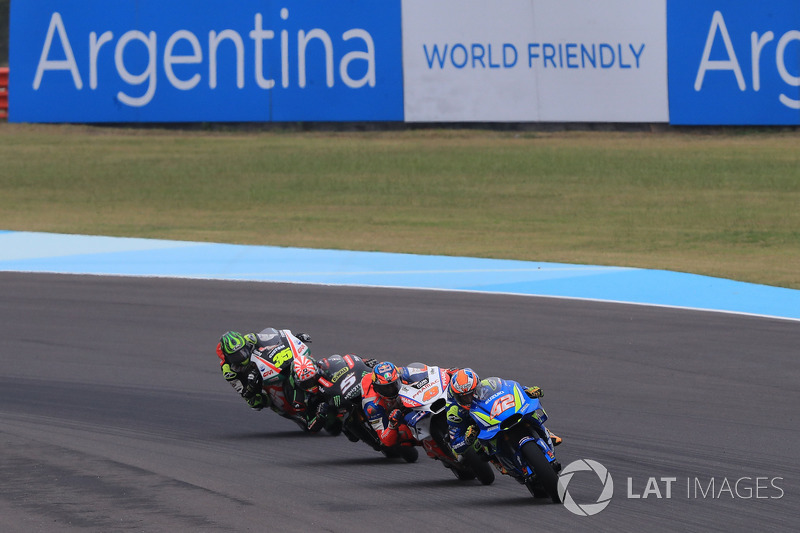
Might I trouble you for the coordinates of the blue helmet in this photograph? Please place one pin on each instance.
(386, 380)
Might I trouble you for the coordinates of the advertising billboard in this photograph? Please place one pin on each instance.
(204, 60)
(535, 60)
(734, 62)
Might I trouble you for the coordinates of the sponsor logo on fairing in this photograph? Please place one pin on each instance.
(339, 373)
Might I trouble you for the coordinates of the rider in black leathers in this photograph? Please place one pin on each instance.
(333, 384)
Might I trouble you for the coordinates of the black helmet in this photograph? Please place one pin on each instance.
(237, 349)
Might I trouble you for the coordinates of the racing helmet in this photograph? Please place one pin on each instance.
(306, 373)
(463, 386)
(236, 349)
(386, 380)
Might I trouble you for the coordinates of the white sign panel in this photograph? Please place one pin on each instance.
(535, 61)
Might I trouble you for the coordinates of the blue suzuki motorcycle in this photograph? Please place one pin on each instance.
(512, 430)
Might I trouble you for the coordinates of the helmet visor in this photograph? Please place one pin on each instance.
(465, 399)
(387, 390)
(308, 384)
(239, 358)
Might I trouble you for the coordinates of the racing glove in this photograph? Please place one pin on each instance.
(395, 418)
(305, 337)
(229, 374)
(471, 434)
(251, 338)
(534, 392)
(319, 419)
(253, 386)
(370, 362)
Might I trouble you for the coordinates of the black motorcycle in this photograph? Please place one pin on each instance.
(340, 385)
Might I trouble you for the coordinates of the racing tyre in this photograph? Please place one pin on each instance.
(463, 473)
(390, 453)
(536, 490)
(545, 474)
(409, 453)
(480, 468)
(334, 428)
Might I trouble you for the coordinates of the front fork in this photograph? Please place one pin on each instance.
(509, 443)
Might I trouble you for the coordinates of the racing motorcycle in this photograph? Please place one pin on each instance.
(511, 429)
(340, 384)
(425, 413)
(273, 356)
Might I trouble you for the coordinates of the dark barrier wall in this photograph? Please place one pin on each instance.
(4, 11)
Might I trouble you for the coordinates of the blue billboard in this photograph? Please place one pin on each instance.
(205, 60)
(734, 62)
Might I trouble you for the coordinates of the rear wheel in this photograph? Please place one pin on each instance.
(299, 421)
(390, 453)
(545, 475)
(409, 453)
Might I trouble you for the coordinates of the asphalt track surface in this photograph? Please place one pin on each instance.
(113, 415)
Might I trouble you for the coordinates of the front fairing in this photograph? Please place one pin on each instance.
(499, 400)
(507, 419)
(277, 350)
(341, 378)
(424, 398)
(429, 386)
(270, 374)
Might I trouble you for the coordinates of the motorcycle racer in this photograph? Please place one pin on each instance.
(235, 350)
(379, 401)
(306, 391)
(317, 379)
(465, 386)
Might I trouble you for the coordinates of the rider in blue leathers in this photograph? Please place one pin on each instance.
(465, 387)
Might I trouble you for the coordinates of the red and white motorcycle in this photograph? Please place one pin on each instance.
(275, 355)
(425, 412)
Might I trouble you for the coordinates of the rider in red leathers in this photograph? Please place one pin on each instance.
(379, 400)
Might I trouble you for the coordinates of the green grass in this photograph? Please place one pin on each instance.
(723, 204)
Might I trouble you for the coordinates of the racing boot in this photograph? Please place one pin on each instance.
(554, 438)
(500, 468)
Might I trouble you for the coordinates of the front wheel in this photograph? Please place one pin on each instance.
(334, 427)
(464, 474)
(481, 469)
(545, 474)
